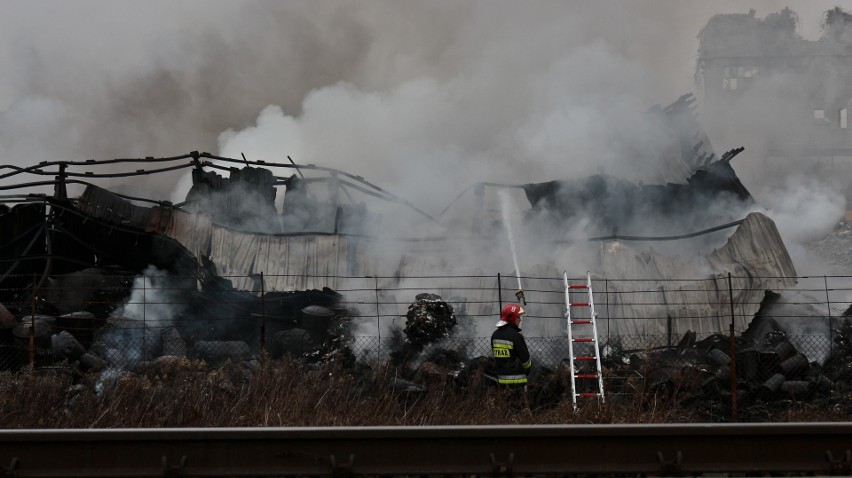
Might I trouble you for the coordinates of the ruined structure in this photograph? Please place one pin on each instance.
(236, 241)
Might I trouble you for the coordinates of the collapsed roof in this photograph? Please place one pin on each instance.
(615, 205)
(700, 190)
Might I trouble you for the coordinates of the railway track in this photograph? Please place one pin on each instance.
(602, 450)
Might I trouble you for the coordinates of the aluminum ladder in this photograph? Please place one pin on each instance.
(587, 337)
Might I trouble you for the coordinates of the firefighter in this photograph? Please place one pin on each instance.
(511, 362)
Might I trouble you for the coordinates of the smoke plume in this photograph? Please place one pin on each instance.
(422, 98)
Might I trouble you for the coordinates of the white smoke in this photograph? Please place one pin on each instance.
(429, 137)
(420, 98)
(138, 325)
(805, 209)
(152, 300)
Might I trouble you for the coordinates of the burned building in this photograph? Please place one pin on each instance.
(236, 239)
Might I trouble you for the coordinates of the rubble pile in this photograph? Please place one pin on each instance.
(767, 371)
(337, 347)
(429, 319)
(214, 327)
(839, 364)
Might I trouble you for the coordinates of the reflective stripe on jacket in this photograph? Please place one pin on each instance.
(508, 379)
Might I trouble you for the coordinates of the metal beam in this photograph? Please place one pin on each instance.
(822, 448)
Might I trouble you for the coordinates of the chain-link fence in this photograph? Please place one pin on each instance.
(707, 335)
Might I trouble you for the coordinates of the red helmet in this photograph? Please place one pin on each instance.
(511, 314)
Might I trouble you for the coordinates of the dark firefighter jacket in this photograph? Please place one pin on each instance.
(510, 363)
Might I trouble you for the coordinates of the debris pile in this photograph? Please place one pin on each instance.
(766, 372)
(620, 205)
(687, 187)
(213, 326)
(429, 319)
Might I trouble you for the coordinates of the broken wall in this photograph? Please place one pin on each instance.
(754, 255)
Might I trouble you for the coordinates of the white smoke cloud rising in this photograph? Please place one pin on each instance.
(152, 301)
(138, 324)
(805, 209)
(420, 98)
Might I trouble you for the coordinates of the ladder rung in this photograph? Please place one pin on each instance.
(580, 304)
(578, 287)
(585, 357)
(586, 375)
(584, 340)
(581, 321)
(588, 394)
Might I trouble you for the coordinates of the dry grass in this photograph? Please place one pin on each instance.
(182, 393)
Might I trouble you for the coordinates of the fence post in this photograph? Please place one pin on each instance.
(606, 289)
(32, 328)
(668, 316)
(262, 317)
(144, 316)
(378, 318)
(733, 353)
(830, 320)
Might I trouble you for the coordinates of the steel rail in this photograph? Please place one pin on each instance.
(821, 448)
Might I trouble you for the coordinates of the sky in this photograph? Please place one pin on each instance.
(421, 98)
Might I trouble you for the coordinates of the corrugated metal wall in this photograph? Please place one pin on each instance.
(755, 255)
